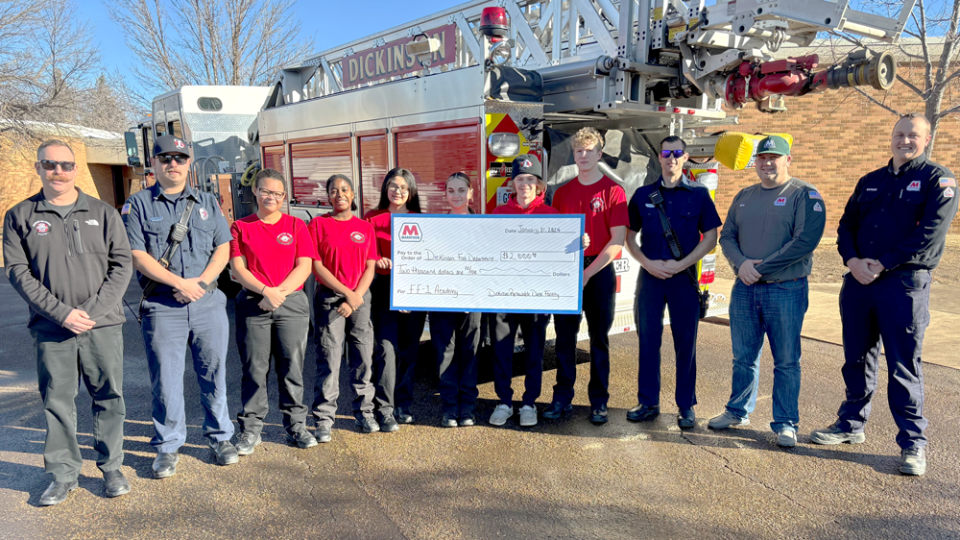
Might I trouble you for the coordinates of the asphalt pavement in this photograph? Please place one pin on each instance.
(559, 480)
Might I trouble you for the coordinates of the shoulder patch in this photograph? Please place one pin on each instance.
(948, 182)
(948, 193)
(814, 195)
(817, 207)
(125, 209)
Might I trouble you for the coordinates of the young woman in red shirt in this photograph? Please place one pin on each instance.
(344, 270)
(396, 333)
(456, 335)
(271, 256)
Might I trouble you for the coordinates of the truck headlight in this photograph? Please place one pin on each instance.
(504, 144)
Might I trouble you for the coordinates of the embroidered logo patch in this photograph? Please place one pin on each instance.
(914, 186)
(125, 209)
(817, 208)
(42, 227)
(948, 193)
(948, 182)
(815, 195)
(781, 201)
(769, 144)
(358, 237)
(284, 239)
(526, 164)
(597, 204)
(93, 223)
(204, 215)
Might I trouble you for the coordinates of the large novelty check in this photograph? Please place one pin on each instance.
(511, 264)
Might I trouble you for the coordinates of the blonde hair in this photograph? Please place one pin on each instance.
(586, 137)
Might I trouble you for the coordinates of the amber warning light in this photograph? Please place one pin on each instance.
(493, 22)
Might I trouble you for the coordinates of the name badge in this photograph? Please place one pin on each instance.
(649, 205)
(156, 219)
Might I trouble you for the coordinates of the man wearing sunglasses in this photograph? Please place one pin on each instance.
(68, 257)
(664, 280)
(771, 231)
(182, 305)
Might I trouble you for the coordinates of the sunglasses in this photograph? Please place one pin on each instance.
(49, 165)
(167, 158)
(665, 154)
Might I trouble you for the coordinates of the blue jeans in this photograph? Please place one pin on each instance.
(777, 310)
(168, 328)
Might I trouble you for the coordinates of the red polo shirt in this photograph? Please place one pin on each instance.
(344, 247)
(380, 219)
(271, 250)
(604, 204)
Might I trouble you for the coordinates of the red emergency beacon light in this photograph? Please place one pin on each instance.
(493, 23)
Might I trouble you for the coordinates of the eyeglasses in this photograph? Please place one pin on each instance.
(267, 194)
(167, 158)
(398, 189)
(665, 154)
(49, 165)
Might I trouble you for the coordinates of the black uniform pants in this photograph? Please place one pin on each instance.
(599, 306)
(396, 346)
(281, 334)
(96, 357)
(679, 297)
(895, 308)
(533, 327)
(330, 332)
(456, 337)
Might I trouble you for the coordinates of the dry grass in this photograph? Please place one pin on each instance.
(828, 266)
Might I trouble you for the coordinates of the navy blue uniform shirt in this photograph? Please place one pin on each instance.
(901, 219)
(149, 214)
(688, 206)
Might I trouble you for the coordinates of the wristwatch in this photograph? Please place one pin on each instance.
(204, 285)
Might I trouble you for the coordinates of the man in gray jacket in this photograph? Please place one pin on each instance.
(68, 256)
(769, 236)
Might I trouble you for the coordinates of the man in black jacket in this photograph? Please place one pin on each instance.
(891, 236)
(68, 256)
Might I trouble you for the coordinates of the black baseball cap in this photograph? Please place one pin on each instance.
(168, 144)
(528, 164)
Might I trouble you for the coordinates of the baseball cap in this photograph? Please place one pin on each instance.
(168, 144)
(773, 144)
(528, 164)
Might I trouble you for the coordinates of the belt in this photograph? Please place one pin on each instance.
(781, 281)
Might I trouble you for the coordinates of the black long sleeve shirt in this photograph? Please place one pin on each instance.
(900, 218)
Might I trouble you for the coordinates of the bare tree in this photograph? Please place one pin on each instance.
(49, 69)
(231, 42)
(933, 27)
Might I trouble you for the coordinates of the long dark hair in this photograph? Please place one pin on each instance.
(413, 198)
(345, 178)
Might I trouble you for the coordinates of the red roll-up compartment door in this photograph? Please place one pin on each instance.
(432, 152)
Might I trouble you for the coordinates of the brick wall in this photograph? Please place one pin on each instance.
(838, 137)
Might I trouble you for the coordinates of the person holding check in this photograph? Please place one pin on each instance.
(271, 255)
(396, 333)
(456, 335)
(344, 270)
(529, 189)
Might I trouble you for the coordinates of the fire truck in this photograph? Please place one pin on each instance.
(472, 87)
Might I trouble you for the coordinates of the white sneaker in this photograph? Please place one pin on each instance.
(787, 438)
(727, 420)
(501, 414)
(528, 416)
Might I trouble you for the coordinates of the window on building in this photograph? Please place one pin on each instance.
(312, 163)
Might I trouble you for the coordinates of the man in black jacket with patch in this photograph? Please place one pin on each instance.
(891, 236)
(68, 256)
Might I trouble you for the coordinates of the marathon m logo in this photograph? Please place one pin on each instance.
(410, 232)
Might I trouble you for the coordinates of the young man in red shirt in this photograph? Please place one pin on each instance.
(604, 204)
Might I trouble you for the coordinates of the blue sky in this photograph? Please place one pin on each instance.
(329, 22)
